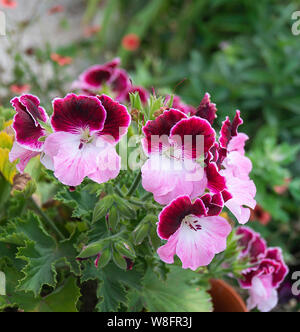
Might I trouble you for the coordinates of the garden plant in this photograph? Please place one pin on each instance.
(150, 157)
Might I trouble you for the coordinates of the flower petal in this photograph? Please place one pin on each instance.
(216, 182)
(117, 119)
(73, 113)
(24, 156)
(157, 131)
(229, 129)
(171, 216)
(207, 110)
(190, 133)
(173, 178)
(109, 165)
(72, 164)
(25, 124)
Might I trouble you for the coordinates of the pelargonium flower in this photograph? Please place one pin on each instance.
(173, 143)
(263, 280)
(28, 130)
(236, 168)
(194, 230)
(86, 130)
(267, 272)
(94, 77)
(253, 245)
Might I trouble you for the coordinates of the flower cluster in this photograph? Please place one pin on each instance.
(189, 163)
(109, 75)
(266, 273)
(77, 142)
(190, 169)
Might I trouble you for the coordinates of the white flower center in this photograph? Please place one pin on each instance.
(86, 137)
(192, 222)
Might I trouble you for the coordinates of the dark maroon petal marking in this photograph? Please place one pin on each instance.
(32, 105)
(162, 125)
(282, 271)
(216, 182)
(97, 76)
(247, 236)
(172, 215)
(213, 203)
(257, 249)
(198, 208)
(25, 124)
(229, 129)
(120, 82)
(226, 195)
(113, 63)
(117, 118)
(248, 275)
(73, 113)
(144, 95)
(186, 132)
(207, 110)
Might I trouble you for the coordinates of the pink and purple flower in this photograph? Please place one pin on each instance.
(27, 125)
(175, 145)
(176, 132)
(266, 274)
(86, 130)
(194, 230)
(95, 77)
(236, 168)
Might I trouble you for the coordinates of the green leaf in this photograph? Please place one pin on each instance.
(175, 294)
(82, 201)
(111, 288)
(40, 252)
(63, 299)
(295, 188)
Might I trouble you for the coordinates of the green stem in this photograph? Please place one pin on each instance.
(47, 219)
(135, 184)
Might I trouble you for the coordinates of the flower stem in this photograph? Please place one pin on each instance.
(47, 219)
(135, 184)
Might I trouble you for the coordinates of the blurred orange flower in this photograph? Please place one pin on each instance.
(131, 42)
(280, 190)
(20, 89)
(91, 30)
(260, 215)
(61, 60)
(56, 9)
(8, 3)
